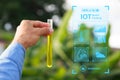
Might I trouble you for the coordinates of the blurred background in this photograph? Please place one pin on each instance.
(13, 11)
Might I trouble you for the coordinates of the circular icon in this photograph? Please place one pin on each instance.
(83, 68)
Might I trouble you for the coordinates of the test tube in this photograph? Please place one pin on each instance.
(49, 45)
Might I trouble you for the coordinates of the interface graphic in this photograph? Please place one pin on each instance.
(90, 48)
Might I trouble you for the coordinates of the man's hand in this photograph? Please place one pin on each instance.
(29, 32)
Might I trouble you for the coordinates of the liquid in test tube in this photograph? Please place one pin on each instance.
(49, 45)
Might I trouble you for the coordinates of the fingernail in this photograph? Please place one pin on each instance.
(51, 30)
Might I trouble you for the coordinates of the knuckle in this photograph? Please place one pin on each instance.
(25, 21)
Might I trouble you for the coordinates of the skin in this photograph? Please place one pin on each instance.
(29, 32)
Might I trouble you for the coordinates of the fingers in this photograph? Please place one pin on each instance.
(40, 28)
(43, 31)
(36, 24)
(39, 24)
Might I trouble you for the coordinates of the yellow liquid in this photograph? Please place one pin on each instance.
(49, 51)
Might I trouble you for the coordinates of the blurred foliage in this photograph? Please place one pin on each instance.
(7, 36)
(35, 62)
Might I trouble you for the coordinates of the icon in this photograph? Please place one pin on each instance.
(100, 28)
(99, 54)
(81, 54)
(81, 37)
(100, 38)
(83, 68)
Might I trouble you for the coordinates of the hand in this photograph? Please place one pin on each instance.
(29, 32)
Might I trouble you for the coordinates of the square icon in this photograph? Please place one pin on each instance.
(99, 54)
(100, 28)
(83, 68)
(99, 38)
(81, 37)
(81, 54)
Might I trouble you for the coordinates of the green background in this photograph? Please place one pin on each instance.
(13, 11)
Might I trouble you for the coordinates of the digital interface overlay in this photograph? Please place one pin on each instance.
(90, 46)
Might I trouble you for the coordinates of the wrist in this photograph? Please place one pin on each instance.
(20, 42)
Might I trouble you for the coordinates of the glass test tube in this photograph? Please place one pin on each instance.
(49, 45)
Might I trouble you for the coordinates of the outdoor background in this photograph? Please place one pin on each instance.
(13, 11)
